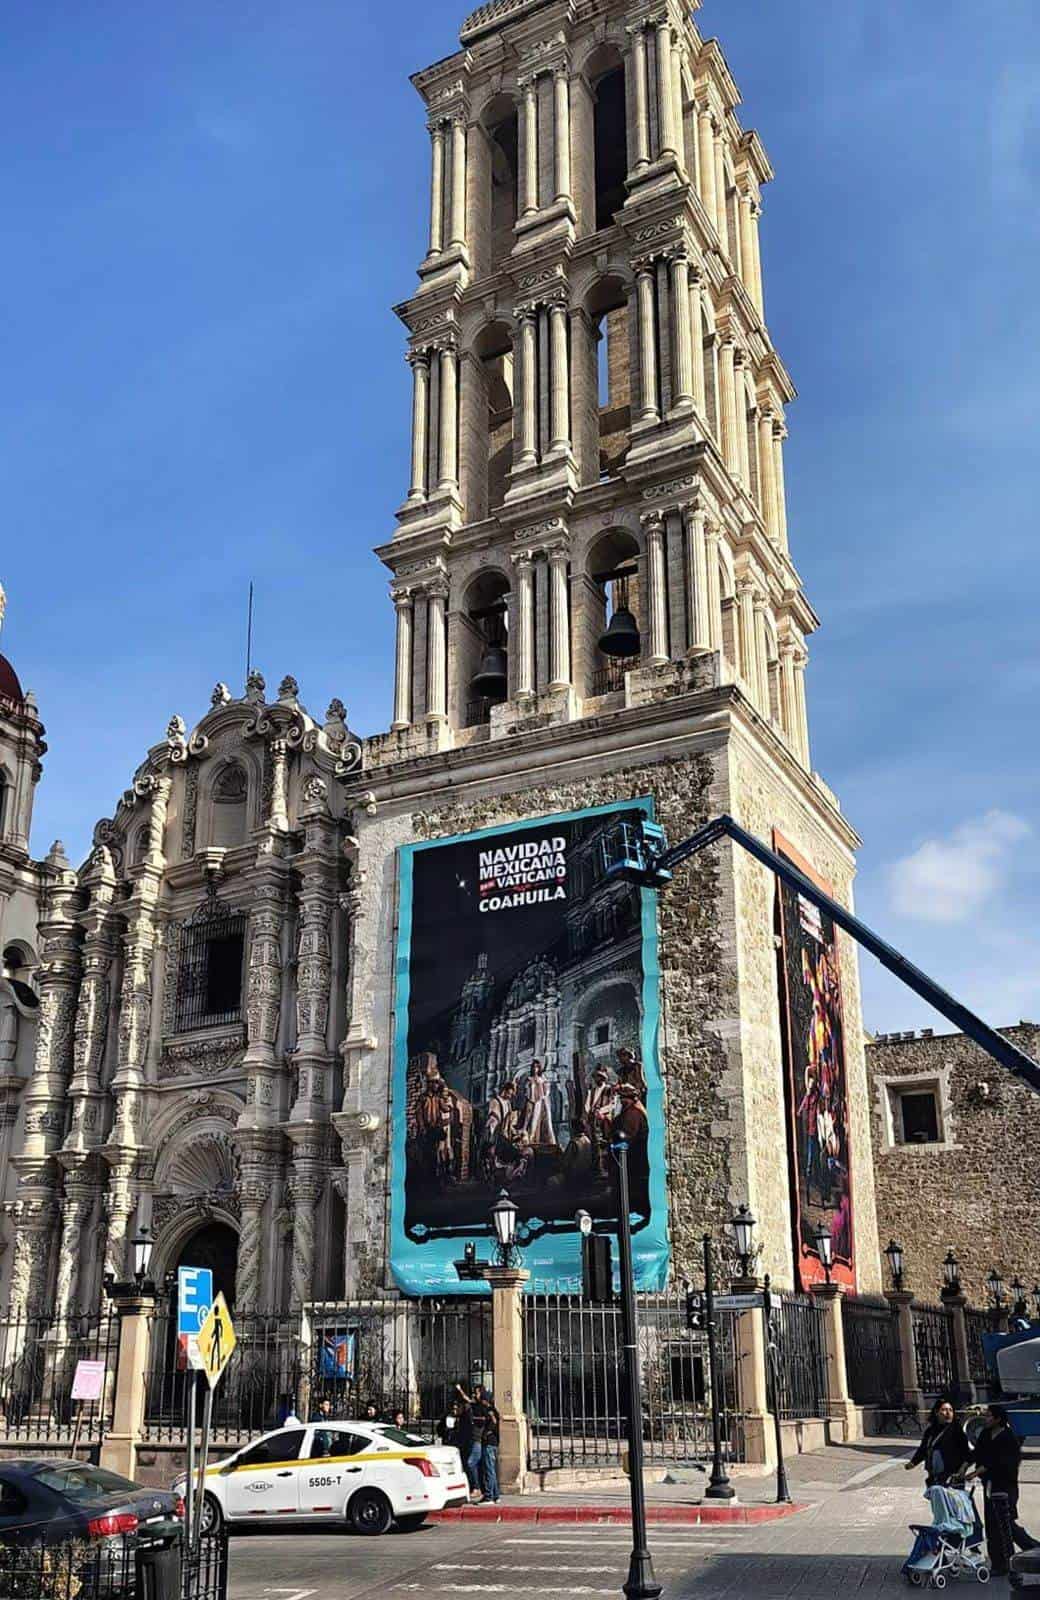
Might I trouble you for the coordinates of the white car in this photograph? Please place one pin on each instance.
(331, 1471)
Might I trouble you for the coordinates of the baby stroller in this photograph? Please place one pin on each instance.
(952, 1547)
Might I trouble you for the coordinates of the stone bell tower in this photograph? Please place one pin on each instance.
(598, 409)
(594, 589)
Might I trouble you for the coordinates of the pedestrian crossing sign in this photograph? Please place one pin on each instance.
(216, 1340)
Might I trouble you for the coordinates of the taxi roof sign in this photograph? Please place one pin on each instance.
(216, 1340)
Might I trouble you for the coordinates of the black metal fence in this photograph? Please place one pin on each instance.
(204, 1572)
(934, 1348)
(574, 1382)
(801, 1364)
(38, 1359)
(118, 1567)
(976, 1323)
(259, 1387)
(405, 1355)
(872, 1357)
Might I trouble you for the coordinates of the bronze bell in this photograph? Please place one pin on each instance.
(491, 682)
(622, 635)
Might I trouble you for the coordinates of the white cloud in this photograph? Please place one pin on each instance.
(948, 879)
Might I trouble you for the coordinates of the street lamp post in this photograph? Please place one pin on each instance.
(824, 1249)
(641, 1584)
(894, 1256)
(503, 1217)
(1019, 1307)
(742, 1226)
(995, 1285)
(719, 1486)
(951, 1274)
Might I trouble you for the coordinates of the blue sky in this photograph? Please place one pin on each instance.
(208, 213)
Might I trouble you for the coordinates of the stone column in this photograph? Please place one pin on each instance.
(955, 1303)
(779, 435)
(756, 262)
(706, 159)
(747, 655)
(436, 680)
(677, 99)
(529, 146)
(648, 410)
(119, 1450)
(665, 108)
(419, 360)
(279, 816)
(76, 1210)
(840, 1405)
(264, 1070)
(696, 322)
(766, 473)
(34, 1224)
(682, 378)
(449, 420)
(697, 580)
(753, 1384)
(85, 1093)
(727, 407)
(747, 257)
(641, 131)
(653, 528)
(801, 661)
(562, 131)
(524, 565)
(528, 456)
(901, 1301)
(403, 674)
(761, 656)
(559, 388)
(507, 1357)
(252, 1197)
(559, 620)
(437, 190)
(458, 181)
(714, 590)
(317, 865)
(118, 1206)
(720, 189)
(788, 693)
(305, 1188)
(743, 422)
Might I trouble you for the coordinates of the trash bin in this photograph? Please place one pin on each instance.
(157, 1572)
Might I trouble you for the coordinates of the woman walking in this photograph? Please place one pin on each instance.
(944, 1446)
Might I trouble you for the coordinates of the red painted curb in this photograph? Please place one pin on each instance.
(616, 1516)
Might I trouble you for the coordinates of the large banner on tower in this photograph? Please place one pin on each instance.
(526, 1031)
(817, 1084)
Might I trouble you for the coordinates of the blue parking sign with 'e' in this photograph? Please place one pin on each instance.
(194, 1298)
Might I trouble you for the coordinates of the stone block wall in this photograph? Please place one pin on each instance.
(976, 1192)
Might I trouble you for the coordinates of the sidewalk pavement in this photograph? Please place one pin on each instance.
(811, 1477)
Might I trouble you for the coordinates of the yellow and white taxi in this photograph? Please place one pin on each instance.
(331, 1471)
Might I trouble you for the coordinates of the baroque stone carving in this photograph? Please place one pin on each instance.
(208, 1057)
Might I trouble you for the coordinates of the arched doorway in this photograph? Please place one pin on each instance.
(213, 1245)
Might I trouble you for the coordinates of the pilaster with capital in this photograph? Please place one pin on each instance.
(559, 619)
(76, 1210)
(528, 175)
(419, 361)
(721, 224)
(267, 914)
(437, 650)
(682, 378)
(779, 435)
(657, 597)
(457, 126)
(697, 579)
(403, 604)
(261, 1154)
(449, 419)
(34, 1226)
(706, 159)
(648, 394)
(801, 661)
(641, 131)
(667, 145)
(528, 375)
(436, 189)
(747, 655)
(727, 406)
(742, 420)
(118, 1203)
(761, 654)
(523, 562)
(767, 473)
(562, 131)
(714, 587)
(318, 867)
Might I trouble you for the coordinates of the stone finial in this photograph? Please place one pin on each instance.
(337, 711)
(288, 689)
(57, 858)
(256, 686)
(221, 695)
(176, 728)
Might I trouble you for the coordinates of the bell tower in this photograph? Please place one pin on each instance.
(596, 511)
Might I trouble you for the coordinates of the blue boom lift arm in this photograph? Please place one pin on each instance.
(639, 853)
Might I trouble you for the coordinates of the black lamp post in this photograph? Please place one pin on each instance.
(1018, 1298)
(995, 1285)
(140, 1283)
(503, 1217)
(894, 1256)
(742, 1226)
(641, 1584)
(951, 1274)
(773, 1321)
(824, 1249)
(718, 1486)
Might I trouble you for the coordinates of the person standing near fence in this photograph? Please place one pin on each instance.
(471, 1440)
(489, 1442)
(998, 1454)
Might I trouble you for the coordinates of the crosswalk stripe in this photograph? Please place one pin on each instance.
(499, 1566)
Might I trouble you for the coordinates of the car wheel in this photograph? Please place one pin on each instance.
(212, 1519)
(410, 1523)
(370, 1512)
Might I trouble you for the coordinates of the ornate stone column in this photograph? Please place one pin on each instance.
(714, 616)
(779, 435)
(653, 529)
(269, 881)
(727, 406)
(683, 382)
(697, 579)
(118, 1205)
(747, 664)
(436, 190)
(449, 420)
(801, 661)
(35, 1217)
(92, 1011)
(665, 108)
(318, 867)
(76, 1210)
(559, 390)
(528, 145)
(260, 1153)
(767, 473)
(524, 564)
(403, 676)
(458, 180)
(706, 159)
(528, 456)
(559, 619)
(562, 131)
(306, 1188)
(436, 680)
(641, 130)
(279, 786)
(419, 361)
(648, 409)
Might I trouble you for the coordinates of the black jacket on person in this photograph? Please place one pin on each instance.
(997, 1455)
(950, 1439)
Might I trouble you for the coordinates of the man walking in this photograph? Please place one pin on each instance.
(998, 1454)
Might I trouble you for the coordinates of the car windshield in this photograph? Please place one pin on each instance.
(82, 1483)
(399, 1436)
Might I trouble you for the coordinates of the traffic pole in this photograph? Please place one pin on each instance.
(189, 1485)
(641, 1584)
(719, 1486)
(207, 1420)
(783, 1493)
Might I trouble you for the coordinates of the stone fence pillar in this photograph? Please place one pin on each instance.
(840, 1407)
(752, 1379)
(119, 1450)
(901, 1301)
(507, 1361)
(955, 1303)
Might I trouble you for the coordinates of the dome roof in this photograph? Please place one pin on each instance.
(10, 688)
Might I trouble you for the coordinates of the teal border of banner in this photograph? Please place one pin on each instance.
(433, 1263)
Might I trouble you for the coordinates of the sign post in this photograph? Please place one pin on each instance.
(88, 1383)
(194, 1299)
(215, 1344)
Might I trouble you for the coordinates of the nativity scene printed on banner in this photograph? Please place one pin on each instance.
(527, 1016)
(817, 1087)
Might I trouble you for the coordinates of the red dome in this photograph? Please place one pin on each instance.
(10, 688)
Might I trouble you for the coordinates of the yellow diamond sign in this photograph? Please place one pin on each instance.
(216, 1340)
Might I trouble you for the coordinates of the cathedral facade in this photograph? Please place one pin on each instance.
(595, 599)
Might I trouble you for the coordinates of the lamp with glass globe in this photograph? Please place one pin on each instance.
(894, 1257)
(503, 1218)
(742, 1228)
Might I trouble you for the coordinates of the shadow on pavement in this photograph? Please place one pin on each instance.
(794, 1577)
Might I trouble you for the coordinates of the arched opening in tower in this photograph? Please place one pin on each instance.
(490, 422)
(481, 647)
(607, 307)
(500, 124)
(612, 612)
(606, 73)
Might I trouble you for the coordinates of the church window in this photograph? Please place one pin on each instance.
(601, 1033)
(919, 1117)
(209, 976)
(230, 800)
